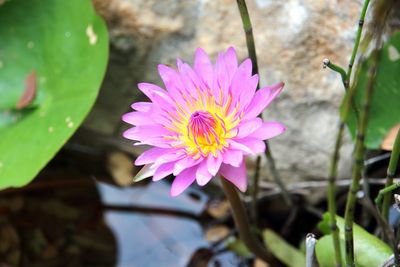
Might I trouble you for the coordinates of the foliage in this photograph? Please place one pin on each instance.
(285, 252)
(66, 45)
(369, 250)
(385, 107)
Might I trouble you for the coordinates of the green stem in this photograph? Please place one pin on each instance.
(358, 162)
(241, 221)
(332, 195)
(384, 192)
(346, 79)
(357, 41)
(336, 68)
(394, 159)
(248, 29)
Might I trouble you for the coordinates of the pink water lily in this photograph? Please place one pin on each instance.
(204, 123)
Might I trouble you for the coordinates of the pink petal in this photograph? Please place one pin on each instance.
(233, 157)
(255, 145)
(185, 163)
(203, 67)
(203, 176)
(236, 175)
(261, 100)
(144, 132)
(137, 118)
(230, 62)
(142, 106)
(248, 127)
(151, 155)
(156, 94)
(174, 156)
(183, 181)
(190, 79)
(157, 141)
(221, 78)
(268, 130)
(240, 78)
(248, 91)
(163, 171)
(172, 82)
(239, 146)
(214, 163)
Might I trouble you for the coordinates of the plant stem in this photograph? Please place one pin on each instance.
(336, 68)
(254, 192)
(241, 221)
(384, 192)
(358, 162)
(346, 79)
(248, 29)
(357, 41)
(394, 159)
(332, 195)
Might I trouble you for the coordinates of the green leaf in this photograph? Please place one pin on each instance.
(282, 250)
(385, 107)
(66, 44)
(369, 250)
(237, 246)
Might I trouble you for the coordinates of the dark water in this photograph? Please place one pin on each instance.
(99, 224)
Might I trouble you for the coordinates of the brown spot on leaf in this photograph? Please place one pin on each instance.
(29, 92)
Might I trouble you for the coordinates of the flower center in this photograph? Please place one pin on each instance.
(203, 129)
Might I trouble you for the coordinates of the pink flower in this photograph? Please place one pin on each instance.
(204, 123)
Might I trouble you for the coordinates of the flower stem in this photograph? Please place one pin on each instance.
(248, 29)
(242, 223)
(394, 159)
(346, 79)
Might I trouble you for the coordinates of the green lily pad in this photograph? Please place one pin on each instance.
(385, 107)
(66, 44)
(368, 249)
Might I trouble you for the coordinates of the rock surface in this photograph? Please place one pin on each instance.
(292, 38)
